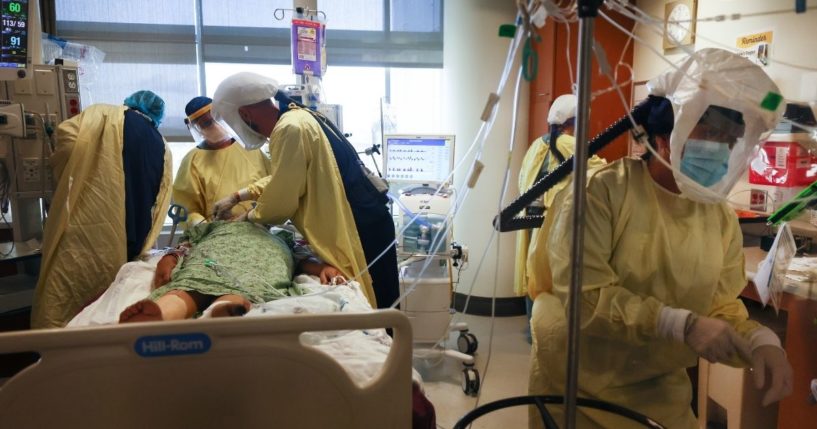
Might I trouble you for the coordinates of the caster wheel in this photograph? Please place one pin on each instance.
(470, 381)
(467, 343)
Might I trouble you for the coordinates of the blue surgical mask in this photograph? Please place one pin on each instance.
(705, 162)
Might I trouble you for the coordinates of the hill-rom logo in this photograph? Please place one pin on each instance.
(172, 345)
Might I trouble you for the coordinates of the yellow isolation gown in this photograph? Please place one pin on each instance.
(208, 175)
(644, 248)
(305, 186)
(538, 153)
(84, 242)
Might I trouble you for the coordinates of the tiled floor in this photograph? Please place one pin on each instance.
(507, 374)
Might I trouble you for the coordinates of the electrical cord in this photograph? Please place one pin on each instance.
(13, 243)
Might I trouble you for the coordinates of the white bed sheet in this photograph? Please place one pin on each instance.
(361, 352)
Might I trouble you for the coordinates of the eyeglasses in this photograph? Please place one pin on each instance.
(205, 122)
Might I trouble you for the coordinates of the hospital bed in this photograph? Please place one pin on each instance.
(283, 370)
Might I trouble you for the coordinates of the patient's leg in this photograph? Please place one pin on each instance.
(141, 311)
(230, 305)
(175, 305)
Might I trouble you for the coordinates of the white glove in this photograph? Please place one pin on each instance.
(773, 360)
(223, 207)
(715, 340)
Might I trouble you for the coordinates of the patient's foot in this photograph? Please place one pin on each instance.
(230, 308)
(143, 311)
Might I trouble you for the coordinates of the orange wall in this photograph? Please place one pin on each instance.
(553, 78)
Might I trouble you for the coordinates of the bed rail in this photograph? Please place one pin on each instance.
(238, 372)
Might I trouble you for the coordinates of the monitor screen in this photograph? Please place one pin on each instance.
(14, 37)
(418, 159)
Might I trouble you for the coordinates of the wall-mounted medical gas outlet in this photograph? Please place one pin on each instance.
(31, 171)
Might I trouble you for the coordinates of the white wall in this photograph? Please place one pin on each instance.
(793, 40)
(473, 61)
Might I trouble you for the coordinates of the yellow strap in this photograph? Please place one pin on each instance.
(200, 112)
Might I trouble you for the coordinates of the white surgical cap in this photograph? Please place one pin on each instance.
(563, 108)
(238, 90)
(715, 77)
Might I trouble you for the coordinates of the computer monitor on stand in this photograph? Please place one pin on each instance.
(417, 159)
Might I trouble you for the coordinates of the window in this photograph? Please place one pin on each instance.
(149, 44)
(421, 16)
(246, 13)
(179, 12)
(359, 90)
(365, 15)
(411, 97)
(118, 80)
(217, 72)
(388, 50)
(414, 95)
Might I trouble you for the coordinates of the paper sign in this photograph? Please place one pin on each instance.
(755, 47)
(771, 273)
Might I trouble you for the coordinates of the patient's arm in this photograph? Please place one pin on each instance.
(164, 269)
(324, 272)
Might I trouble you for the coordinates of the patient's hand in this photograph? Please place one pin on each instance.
(163, 270)
(328, 273)
(324, 272)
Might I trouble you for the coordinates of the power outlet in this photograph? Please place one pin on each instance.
(32, 167)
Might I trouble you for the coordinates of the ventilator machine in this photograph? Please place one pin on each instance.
(418, 169)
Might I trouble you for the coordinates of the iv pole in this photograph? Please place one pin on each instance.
(587, 13)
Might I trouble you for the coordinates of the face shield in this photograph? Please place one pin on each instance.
(707, 153)
(722, 112)
(237, 91)
(203, 127)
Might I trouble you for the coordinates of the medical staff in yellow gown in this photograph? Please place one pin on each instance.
(661, 272)
(323, 216)
(316, 181)
(85, 237)
(539, 160)
(644, 248)
(215, 168)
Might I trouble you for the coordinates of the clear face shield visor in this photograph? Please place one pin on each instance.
(245, 128)
(714, 155)
(204, 128)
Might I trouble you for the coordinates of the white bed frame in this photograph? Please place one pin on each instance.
(254, 373)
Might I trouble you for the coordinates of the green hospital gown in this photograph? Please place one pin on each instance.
(238, 258)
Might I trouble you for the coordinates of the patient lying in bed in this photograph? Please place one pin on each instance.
(224, 267)
(244, 256)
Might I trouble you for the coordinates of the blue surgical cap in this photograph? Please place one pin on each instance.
(148, 103)
(196, 104)
(661, 119)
